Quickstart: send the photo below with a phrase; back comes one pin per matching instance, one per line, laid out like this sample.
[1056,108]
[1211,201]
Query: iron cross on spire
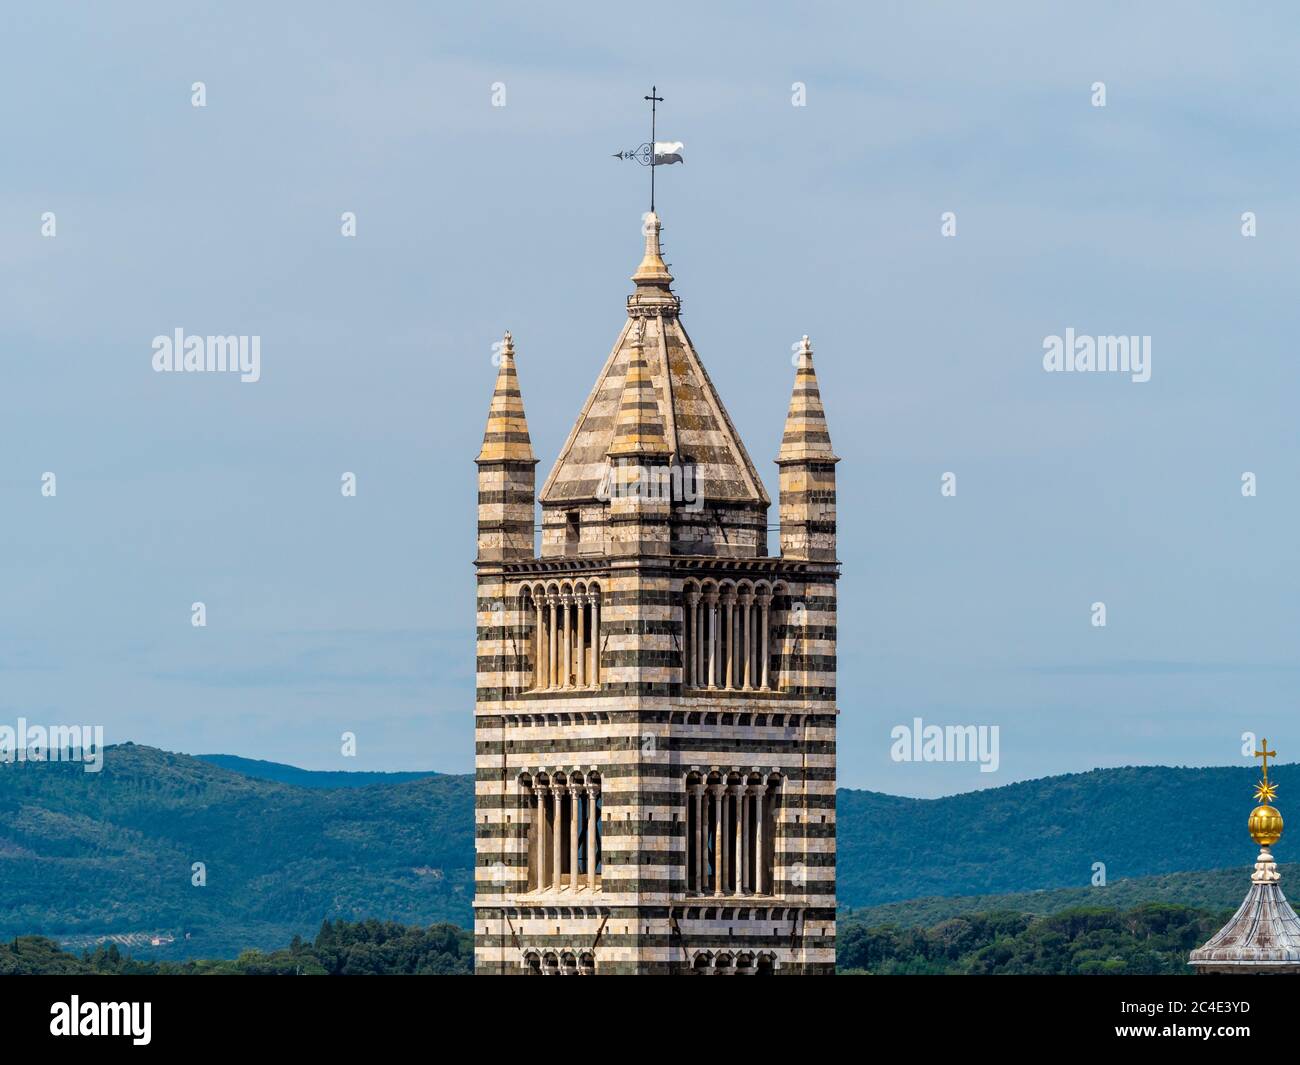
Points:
[650,154]
[654,101]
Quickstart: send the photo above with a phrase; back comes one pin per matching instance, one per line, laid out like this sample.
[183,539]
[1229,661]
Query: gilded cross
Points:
[1265,754]
[1264,791]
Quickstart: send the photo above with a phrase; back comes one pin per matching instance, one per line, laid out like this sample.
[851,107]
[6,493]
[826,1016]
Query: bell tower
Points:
[655,713]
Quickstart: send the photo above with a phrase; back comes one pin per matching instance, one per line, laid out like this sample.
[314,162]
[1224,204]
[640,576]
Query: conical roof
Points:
[696,427]
[1263,934]
[806,437]
[506,437]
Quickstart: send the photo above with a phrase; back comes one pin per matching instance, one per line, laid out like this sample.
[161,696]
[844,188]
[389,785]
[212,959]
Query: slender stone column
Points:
[730,656]
[539,646]
[745,837]
[735,650]
[698,636]
[557,808]
[764,601]
[582,643]
[746,609]
[685,643]
[595,637]
[712,600]
[719,845]
[703,877]
[760,880]
[566,645]
[553,601]
[538,882]
[696,852]
[738,839]
[575,825]
[593,821]
[690,663]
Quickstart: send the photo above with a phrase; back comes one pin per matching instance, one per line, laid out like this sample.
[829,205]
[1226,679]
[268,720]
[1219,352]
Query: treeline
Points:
[341,948]
[1153,938]
[1150,939]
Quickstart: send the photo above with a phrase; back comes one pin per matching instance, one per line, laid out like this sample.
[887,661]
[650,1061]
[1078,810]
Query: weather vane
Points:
[1264,791]
[654,153]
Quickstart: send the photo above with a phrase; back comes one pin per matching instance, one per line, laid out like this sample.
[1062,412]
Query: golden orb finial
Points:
[1265,825]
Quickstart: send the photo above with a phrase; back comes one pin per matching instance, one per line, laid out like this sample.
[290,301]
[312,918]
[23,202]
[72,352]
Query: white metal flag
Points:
[668,152]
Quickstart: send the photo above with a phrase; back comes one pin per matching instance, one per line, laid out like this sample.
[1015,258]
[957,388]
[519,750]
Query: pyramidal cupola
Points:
[727,502]
[655,711]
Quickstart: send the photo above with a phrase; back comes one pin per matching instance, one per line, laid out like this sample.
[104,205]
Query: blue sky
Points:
[328,614]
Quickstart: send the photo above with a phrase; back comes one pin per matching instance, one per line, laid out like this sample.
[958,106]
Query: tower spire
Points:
[506,436]
[807,470]
[806,435]
[506,471]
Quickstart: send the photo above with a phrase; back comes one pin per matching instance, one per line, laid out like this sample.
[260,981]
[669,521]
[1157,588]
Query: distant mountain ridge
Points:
[1136,820]
[308,778]
[92,854]
[89,854]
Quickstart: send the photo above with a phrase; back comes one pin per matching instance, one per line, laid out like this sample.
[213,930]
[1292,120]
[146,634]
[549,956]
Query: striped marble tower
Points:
[656,694]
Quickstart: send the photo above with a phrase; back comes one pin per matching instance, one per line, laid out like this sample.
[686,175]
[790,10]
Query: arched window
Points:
[564,834]
[564,642]
[730,834]
[728,636]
